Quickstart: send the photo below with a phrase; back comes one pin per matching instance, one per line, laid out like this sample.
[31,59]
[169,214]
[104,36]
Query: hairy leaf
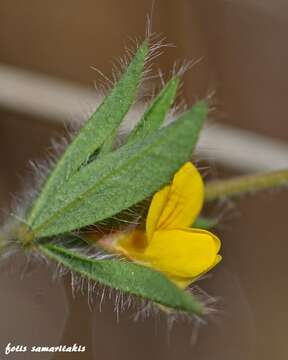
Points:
[121,179]
[156,112]
[98,128]
[127,277]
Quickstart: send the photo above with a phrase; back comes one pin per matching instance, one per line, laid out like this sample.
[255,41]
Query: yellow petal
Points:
[217,260]
[182,253]
[179,204]
[155,210]
[184,282]
[132,244]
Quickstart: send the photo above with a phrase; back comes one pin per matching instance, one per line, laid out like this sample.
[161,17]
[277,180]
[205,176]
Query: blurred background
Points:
[47,51]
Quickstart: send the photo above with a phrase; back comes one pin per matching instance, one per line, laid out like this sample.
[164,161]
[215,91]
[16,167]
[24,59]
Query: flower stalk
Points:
[245,184]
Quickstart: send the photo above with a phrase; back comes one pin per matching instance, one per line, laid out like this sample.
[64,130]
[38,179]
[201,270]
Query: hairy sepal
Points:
[125,276]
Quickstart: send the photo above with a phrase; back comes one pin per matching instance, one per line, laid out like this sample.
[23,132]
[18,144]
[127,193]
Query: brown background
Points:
[243,45]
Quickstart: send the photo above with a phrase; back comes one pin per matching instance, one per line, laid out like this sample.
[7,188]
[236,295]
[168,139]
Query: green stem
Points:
[245,184]
[3,244]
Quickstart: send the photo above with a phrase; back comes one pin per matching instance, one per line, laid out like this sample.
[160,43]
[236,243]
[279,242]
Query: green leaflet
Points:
[108,144]
[122,178]
[152,118]
[127,277]
[156,112]
[99,127]
[205,223]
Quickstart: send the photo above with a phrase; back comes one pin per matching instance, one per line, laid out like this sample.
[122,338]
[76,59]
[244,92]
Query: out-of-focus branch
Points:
[56,100]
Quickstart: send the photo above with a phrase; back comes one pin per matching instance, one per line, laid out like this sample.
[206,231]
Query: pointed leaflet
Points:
[157,111]
[99,127]
[121,179]
[127,277]
[152,118]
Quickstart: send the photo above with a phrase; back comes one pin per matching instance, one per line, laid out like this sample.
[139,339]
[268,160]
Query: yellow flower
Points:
[169,244]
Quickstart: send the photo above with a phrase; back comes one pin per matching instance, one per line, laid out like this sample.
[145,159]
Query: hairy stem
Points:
[245,184]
